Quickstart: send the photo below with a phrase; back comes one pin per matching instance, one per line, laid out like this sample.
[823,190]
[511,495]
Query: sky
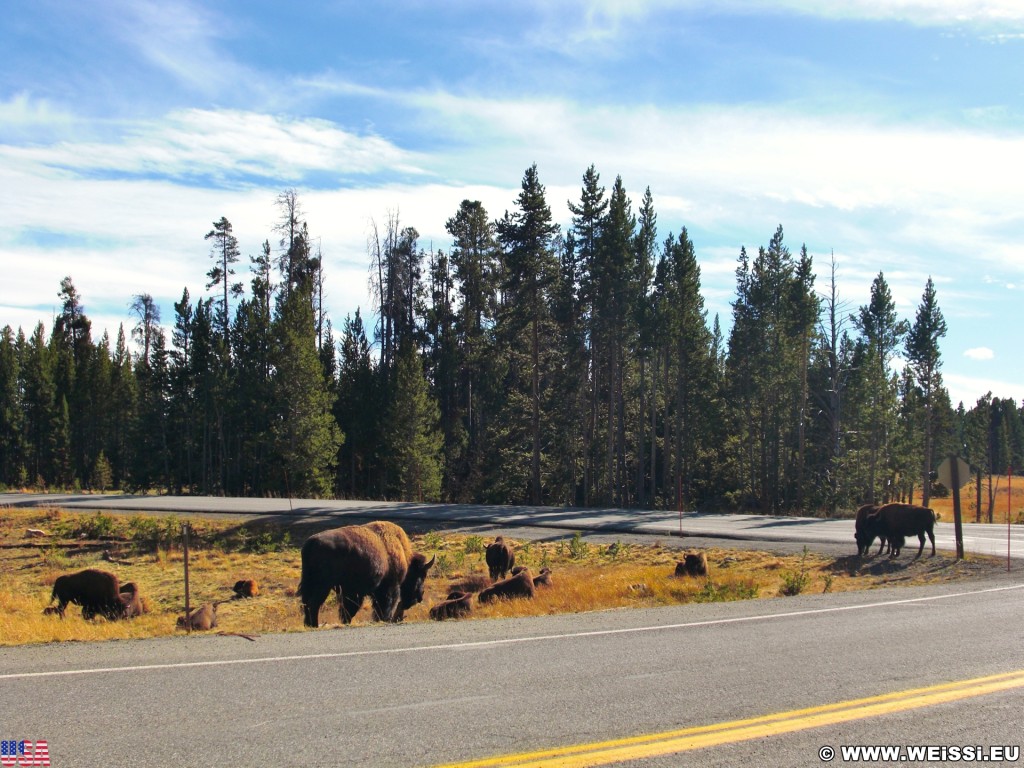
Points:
[885,135]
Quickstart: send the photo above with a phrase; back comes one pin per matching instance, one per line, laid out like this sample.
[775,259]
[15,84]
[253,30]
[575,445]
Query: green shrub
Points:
[473,545]
[793,583]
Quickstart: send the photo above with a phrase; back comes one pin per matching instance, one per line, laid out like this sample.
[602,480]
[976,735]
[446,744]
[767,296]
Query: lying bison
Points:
[457,605]
[692,564]
[860,533]
[542,579]
[131,601]
[897,521]
[202,618]
[357,561]
[245,588]
[520,585]
[500,558]
[95,590]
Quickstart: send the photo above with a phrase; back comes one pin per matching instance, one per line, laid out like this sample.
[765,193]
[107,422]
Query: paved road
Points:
[429,693]
[978,538]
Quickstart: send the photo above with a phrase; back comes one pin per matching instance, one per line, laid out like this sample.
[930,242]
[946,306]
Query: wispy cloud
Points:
[980,353]
[225,146]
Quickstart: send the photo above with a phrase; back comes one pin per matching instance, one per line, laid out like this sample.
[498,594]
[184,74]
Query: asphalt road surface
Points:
[978,538]
[432,693]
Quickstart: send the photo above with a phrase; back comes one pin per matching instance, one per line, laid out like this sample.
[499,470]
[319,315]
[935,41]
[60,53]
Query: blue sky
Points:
[886,134]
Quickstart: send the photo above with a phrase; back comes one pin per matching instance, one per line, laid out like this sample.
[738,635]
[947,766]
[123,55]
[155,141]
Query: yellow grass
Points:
[585,576]
[1011,503]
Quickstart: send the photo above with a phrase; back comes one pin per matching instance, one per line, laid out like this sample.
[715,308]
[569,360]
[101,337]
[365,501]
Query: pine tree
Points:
[11,448]
[225,254]
[530,271]
[306,436]
[924,360]
[413,441]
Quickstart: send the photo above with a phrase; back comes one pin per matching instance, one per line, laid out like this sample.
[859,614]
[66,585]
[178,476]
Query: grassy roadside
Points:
[586,576]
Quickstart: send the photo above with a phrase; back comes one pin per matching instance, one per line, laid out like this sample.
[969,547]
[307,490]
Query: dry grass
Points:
[1004,502]
[585,576]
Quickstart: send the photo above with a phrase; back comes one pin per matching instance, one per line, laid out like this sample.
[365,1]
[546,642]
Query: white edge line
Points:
[503,641]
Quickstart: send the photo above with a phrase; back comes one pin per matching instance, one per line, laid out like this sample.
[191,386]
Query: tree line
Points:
[524,364]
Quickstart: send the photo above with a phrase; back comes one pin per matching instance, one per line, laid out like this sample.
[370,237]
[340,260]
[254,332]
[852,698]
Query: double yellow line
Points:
[671,742]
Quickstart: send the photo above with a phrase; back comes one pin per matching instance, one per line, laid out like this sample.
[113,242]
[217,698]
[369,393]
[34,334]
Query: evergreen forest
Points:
[525,364]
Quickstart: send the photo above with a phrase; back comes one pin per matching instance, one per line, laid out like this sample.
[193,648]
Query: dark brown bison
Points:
[357,561]
[898,521]
[692,564]
[246,588]
[500,558]
[860,534]
[95,590]
[457,605]
[520,585]
[131,601]
[202,618]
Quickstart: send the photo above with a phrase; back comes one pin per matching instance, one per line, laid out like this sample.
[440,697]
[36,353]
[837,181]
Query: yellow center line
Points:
[671,742]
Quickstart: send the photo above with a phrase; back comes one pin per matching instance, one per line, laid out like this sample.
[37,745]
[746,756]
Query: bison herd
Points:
[376,560]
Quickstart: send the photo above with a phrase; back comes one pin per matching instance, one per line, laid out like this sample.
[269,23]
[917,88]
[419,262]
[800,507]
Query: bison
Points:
[245,588]
[95,590]
[692,564]
[202,618]
[500,558]
[131,601]
[542,579]
[520,585]
[860,533]
[458,604]
[357,561]
[897,521]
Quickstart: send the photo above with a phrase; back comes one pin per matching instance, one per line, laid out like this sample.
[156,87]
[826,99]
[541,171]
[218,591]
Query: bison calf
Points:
[500,558]
[246,588]
[131,601]
[520,585]
[202,618]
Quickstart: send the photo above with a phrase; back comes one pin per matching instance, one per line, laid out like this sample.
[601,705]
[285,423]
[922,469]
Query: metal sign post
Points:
[185,529]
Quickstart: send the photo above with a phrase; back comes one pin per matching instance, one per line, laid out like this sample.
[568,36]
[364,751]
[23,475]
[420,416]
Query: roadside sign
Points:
[946,471]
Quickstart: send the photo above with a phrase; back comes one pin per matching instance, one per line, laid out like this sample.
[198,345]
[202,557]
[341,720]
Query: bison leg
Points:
[348,606]
[312,600]
[920,537]
[931,536]
[386,602]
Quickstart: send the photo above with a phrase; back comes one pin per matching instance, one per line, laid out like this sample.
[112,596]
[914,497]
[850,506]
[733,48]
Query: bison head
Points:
[412,585]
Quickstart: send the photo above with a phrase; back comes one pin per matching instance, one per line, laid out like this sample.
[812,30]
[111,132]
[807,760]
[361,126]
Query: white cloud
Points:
[980,353]
[228,144]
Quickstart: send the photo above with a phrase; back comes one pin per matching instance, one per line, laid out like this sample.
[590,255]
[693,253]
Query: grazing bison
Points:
[860,533]
[357,561]
[520,585]
[202,618]
[692,564]
[897,521]
[500,558]
[131,602]
[95,590]
[458,604]
[245,588]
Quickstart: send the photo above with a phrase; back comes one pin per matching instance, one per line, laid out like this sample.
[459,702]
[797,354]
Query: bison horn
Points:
[430,563]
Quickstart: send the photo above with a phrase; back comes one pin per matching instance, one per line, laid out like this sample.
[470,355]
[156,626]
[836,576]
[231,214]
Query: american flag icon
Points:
[24,754]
